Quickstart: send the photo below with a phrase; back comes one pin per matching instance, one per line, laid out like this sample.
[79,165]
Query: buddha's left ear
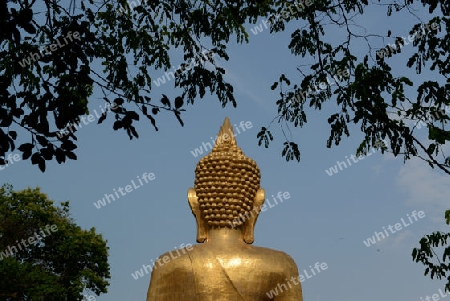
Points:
[195,207]
[249,226]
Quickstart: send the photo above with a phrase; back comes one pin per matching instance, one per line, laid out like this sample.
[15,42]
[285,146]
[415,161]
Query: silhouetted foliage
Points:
[48,54]
[426,254]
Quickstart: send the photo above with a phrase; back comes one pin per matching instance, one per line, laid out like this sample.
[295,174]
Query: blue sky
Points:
[326,219]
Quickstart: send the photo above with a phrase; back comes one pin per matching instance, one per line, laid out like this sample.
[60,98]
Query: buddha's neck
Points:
[225,236]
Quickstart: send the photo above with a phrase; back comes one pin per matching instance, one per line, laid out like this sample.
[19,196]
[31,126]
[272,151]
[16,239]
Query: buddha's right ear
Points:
[195,207]
[249,226]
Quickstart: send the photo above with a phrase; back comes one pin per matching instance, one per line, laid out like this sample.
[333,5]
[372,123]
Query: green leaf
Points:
[41,164]
[71,155]
[178,102]
[117,102]
[25,147]
[165,100]
[42,140]
[13,134]
[152,120]
[431,148]
[117,125]
[35,158]
[60,156]
[102,118]
[133,115]
[68,145]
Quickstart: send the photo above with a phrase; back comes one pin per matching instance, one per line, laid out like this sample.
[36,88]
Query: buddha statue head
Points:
[226,192]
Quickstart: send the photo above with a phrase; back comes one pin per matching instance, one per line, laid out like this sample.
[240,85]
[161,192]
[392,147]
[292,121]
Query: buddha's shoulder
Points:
[274,261]
[178,258]
[255,252]
[265,253]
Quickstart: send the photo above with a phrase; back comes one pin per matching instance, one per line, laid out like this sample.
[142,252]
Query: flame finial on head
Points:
[226,130]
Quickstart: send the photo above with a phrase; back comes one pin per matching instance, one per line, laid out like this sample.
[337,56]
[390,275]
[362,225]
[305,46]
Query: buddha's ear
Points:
[195,207]
[249,226]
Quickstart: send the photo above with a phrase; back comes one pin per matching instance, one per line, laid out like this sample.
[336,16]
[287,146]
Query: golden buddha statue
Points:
[224,266]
